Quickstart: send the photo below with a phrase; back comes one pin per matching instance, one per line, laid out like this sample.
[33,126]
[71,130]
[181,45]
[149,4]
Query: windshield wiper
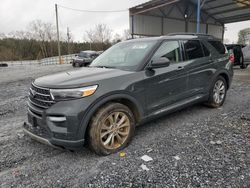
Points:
[106,67]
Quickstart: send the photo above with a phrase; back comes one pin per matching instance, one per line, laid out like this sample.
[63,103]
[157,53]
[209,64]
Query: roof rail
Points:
[192,34]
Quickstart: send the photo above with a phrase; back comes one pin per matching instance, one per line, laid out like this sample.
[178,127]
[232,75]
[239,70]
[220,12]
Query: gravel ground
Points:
[194,147]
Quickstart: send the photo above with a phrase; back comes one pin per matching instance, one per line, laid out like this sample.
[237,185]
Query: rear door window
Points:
[193,49]
[218,46]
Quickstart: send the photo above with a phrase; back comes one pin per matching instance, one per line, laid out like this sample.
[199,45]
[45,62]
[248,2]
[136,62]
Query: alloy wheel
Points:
[219,92]
[115,130]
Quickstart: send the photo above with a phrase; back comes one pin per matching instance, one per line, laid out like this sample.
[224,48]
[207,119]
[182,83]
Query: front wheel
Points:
[76,64]
[111,129]
[218,92]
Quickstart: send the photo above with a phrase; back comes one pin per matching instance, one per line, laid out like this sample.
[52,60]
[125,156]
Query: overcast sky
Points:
[17,14]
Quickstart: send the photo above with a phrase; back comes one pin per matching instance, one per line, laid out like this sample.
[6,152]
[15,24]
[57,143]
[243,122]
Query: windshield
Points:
[124,55]
[83,54]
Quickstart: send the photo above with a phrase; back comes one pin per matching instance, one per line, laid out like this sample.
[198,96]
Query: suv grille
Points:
[40,97]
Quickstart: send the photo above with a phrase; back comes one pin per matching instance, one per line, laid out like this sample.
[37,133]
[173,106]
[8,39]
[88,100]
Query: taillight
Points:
[231,58]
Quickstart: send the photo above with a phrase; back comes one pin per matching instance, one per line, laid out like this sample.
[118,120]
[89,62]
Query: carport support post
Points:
[132,33]
[198,16]
[223,32]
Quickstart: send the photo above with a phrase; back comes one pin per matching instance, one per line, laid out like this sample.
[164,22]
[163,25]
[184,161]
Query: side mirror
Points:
[159,63]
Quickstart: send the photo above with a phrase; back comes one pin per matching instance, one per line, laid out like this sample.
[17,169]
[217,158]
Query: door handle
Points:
[180,68]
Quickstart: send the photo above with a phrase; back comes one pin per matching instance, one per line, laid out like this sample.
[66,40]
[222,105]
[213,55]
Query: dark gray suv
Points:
[130,83]
[84,58]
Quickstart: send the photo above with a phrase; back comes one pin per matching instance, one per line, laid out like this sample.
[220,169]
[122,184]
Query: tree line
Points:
[244,36]
[29,49]
[39,41]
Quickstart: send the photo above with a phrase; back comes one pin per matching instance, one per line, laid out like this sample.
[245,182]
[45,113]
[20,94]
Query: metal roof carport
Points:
[160,17]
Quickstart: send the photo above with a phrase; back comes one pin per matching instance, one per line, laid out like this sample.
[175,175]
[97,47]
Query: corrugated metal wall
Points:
[145,25]
[172,26]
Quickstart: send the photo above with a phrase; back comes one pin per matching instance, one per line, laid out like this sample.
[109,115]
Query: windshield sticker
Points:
[140,46]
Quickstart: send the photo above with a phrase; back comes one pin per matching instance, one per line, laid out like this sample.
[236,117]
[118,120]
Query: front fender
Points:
[91,110]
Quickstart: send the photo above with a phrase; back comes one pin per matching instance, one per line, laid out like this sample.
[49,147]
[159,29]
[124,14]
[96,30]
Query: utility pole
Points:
[58,37]
[68,37]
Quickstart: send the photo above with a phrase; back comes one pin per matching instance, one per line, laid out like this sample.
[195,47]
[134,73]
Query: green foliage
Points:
[243,36]
[29,49]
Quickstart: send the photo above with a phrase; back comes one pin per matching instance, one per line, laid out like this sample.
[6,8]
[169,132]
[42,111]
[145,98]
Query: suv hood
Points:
[78,78]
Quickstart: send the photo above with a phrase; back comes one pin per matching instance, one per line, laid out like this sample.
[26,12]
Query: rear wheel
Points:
[111,129]
[217,93]
[242,66]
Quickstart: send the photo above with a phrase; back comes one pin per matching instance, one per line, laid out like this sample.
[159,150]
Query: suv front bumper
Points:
[32,131]
[57,126]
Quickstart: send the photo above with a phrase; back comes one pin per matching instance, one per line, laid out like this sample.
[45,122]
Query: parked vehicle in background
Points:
[246,54]
[84,58]
[3,65]
[130,83]
[239,58]
[99,52]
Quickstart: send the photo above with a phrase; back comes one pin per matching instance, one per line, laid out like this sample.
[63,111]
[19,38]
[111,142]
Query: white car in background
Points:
[246,55]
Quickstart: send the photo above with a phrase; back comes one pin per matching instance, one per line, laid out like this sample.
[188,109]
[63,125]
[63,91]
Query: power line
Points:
[93,11]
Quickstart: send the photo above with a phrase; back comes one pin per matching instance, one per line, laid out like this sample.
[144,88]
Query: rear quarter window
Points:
[205,50]
[218,46]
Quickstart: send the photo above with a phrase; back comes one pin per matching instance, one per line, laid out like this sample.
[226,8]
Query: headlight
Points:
[66,94]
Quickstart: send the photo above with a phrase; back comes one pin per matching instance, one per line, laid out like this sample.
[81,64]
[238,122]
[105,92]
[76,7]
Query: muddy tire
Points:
[218,92]
[111,129]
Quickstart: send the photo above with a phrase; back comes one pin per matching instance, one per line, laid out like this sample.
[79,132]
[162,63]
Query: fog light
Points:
[57,119]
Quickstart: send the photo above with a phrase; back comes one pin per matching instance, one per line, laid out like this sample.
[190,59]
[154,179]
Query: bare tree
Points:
[2,35]
[89,35]
[20,35]
[43,32]
[126,34]
[100,34]
[37,29]
[70,38]
[117,38]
